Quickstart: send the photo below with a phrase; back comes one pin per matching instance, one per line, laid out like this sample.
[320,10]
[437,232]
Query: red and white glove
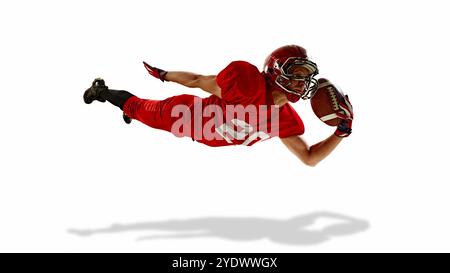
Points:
[344,128]
[155,72]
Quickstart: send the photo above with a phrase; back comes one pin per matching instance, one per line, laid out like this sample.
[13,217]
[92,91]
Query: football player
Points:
[245,106]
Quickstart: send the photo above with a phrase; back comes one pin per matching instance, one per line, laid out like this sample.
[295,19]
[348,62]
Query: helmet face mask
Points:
[291,70]
[288,78]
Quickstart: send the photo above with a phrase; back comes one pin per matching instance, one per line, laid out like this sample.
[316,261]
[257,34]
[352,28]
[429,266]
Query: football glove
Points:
[155,72]
[344,128]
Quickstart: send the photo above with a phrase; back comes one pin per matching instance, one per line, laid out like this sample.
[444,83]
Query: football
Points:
[325,102]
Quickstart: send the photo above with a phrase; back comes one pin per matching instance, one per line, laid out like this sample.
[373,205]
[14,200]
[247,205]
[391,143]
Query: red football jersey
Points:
[246,112]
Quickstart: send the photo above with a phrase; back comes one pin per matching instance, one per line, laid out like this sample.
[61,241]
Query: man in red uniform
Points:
[246,106]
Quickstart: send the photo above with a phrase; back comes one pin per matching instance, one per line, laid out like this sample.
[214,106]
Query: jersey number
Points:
[226,131]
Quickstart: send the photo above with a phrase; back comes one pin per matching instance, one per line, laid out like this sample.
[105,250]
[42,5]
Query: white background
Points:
[68,167]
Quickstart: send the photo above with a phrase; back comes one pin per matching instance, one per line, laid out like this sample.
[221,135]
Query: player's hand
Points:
[346,107]
[155,72]
[344,128]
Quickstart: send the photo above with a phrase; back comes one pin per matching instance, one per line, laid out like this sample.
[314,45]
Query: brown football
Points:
[325,102]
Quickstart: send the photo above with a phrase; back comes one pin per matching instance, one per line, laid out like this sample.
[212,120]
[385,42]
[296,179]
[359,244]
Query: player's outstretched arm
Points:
[314,154]
[188,79]
[192,80]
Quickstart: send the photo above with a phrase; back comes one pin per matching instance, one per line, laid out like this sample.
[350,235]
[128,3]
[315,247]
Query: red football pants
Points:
[157,113]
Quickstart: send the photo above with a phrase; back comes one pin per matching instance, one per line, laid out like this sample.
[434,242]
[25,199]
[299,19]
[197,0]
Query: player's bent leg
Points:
[154,113]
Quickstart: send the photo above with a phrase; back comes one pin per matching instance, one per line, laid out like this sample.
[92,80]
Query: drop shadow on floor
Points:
[297,230]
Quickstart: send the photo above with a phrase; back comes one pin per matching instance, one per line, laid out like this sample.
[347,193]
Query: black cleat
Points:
[127,119]
[93,93]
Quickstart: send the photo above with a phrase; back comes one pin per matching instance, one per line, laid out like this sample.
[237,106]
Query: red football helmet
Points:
[280,65]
